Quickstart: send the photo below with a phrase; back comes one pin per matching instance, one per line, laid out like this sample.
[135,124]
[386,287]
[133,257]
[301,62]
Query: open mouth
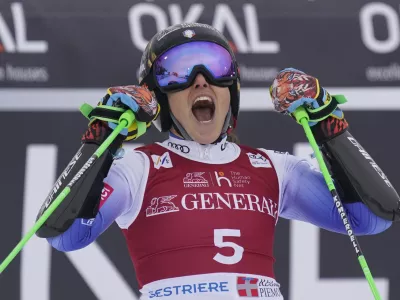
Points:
[203,109]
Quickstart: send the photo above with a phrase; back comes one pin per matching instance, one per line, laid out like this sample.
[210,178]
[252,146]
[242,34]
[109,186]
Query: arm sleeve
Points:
[306,197]
[123,181]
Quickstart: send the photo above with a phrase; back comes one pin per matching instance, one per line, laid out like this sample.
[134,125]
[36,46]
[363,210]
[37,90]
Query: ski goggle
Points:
[176,68]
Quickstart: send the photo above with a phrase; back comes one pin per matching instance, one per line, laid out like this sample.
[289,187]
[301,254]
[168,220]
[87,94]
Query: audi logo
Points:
[182,148]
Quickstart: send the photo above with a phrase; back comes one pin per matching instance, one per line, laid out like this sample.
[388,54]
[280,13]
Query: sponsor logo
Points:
[184,149]
[78,175]
[246,38]
[162,161]
[105,193]
[258,74]
[386,43]
[281,152]
[240,180]
[15,40]
[235,201]
[195,179]
[258,161]
[19,43]
[254,287]
[87,222]
[371,161]
[269,288]
[247,287]
[223,146]
[219,176]
[389,40]
[165,32]
[161,205]
[388,73]
[346,223]
[188,33]
[59,181]
[231,179]
[190,289]
[211,201]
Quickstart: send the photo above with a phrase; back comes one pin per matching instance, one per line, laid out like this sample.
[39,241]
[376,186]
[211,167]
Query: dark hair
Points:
[233,138]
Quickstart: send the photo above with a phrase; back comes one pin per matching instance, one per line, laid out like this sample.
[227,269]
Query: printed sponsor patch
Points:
[105,193]
[258,161]
[195,179]
[247,287]
[161,205]
[162,161]
[190,289]
[255,287]
[87,222]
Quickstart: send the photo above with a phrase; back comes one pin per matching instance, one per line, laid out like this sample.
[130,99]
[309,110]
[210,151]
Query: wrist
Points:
[97,132]
[329,128]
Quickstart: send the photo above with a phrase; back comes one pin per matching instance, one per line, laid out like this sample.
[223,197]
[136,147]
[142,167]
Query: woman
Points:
[199,211]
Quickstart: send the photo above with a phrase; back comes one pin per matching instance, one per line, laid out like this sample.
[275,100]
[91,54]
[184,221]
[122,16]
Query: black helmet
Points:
[174,36]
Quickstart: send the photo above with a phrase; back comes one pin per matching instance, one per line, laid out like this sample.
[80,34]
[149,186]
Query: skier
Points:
[210,236]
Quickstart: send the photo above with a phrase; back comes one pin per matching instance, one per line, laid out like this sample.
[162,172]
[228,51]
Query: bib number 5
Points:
[219,235]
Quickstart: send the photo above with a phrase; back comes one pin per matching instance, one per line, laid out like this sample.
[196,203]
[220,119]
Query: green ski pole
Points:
[126,119]
[302,118]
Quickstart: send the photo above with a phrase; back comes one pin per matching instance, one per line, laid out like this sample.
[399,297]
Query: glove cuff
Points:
[98,132]
[329,128]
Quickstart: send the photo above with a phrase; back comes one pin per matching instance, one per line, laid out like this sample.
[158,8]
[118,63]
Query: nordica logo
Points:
[213,201]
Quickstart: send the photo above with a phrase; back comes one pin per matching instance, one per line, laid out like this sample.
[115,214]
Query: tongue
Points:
[202,114]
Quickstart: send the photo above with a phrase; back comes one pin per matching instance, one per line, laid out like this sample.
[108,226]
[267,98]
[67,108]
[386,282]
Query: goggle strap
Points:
[178,127]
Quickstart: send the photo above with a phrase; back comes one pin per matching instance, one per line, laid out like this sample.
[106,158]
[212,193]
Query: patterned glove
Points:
[119,99]
[293,88]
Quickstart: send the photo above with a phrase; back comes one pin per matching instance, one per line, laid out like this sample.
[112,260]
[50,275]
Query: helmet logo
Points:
[188,33]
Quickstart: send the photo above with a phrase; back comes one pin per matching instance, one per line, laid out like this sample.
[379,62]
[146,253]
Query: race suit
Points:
[199,220]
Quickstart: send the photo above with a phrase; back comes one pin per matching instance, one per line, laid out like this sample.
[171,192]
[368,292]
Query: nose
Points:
[200,81]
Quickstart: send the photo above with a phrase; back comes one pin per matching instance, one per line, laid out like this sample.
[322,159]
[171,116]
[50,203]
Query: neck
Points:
[175,134]
[220,152]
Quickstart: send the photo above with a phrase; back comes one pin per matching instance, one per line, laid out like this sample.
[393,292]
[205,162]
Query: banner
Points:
[311,264]
[100,43]
[56,55]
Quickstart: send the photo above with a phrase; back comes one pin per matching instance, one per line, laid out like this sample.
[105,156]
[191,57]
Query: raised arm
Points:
[305,197]
[368,196]
[117,198]
[86,212]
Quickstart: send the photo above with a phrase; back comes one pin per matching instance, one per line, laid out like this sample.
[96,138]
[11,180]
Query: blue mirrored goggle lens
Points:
[175,65]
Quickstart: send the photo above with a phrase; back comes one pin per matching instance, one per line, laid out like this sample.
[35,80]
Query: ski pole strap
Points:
[321,113]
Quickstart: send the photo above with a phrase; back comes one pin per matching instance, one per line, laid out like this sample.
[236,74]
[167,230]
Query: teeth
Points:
[202,98]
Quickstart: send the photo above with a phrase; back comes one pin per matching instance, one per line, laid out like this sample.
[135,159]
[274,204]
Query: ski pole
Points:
[302,118]
[126,119]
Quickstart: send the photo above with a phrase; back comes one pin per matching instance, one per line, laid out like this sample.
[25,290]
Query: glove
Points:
[293,88]
[117,100]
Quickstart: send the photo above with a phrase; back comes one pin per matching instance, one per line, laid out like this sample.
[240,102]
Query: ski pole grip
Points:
[128,117]
[300,113]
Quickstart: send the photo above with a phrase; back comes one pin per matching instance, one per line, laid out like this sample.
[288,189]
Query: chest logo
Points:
[161,205]
[195,179]
[162,161]
[258,161]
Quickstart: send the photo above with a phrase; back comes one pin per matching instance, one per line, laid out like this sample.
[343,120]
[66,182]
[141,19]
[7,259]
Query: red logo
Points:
[105,193]
[247,287]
